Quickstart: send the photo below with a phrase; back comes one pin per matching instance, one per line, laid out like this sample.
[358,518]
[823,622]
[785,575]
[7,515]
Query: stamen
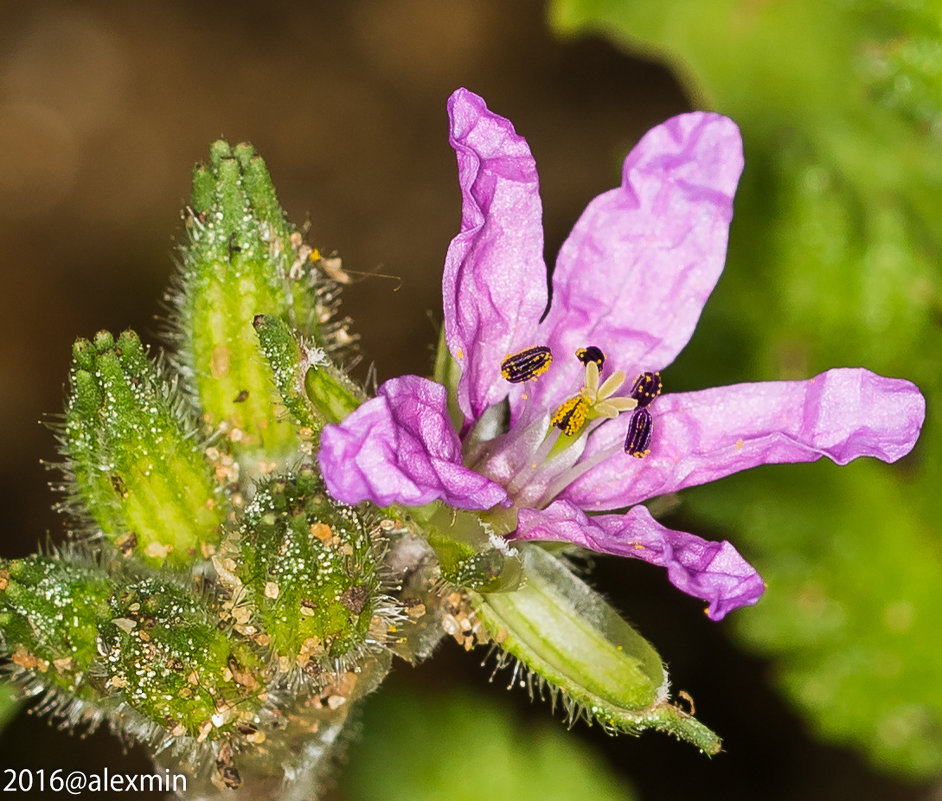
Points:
[540,455]
[638,441]
[526,365]
[591,380]
[574,473]
[611,385]
[591,354]
[646,388]
[570,417]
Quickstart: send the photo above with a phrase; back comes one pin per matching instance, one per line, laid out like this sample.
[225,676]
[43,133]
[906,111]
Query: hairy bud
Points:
[574,645]
[242,259]
[49,615]
[302,572]
[164,653]
[139,472]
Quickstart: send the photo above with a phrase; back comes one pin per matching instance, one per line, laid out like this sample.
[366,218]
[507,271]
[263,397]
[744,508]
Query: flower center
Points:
[534,463]
[593,401]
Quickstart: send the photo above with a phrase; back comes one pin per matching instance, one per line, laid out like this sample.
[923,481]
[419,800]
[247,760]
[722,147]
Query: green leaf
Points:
[8,704]
[833,260]
[464,748]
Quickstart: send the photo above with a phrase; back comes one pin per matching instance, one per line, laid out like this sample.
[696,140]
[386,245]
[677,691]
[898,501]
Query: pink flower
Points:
[561,421]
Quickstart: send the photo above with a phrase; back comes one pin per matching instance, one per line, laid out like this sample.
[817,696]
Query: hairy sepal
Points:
[575,645]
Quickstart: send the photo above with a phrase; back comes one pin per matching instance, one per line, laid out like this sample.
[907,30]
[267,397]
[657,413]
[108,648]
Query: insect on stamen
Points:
[526,364]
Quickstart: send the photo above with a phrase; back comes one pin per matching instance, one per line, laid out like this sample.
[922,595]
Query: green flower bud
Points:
[49,615]
[164,653]
[302,571]
[575,644]
[243,259]
[138,470]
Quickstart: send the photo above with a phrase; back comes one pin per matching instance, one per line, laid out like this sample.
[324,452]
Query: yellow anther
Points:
[571,416]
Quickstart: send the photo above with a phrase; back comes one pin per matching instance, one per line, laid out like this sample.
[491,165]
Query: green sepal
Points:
[572,642]
[288,361]
[332,394]
[165,654]
[242,259]
[138,470]
[50,610]
[303,574]
[469,554]
[448,373]
[313,390]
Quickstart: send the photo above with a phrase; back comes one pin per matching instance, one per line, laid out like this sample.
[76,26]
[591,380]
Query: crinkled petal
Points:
[400,447]
[703,436]
[712,571]
[635,272]
[494,286]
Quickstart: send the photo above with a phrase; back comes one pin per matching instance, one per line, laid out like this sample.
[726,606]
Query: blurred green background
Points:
[832,686]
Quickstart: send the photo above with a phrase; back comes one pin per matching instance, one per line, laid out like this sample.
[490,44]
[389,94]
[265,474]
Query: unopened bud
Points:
[302,573]
[165,654]
[243,259]
[138,469]
[49,615]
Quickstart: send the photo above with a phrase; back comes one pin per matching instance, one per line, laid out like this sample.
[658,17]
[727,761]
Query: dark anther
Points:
[638,441]
[526,365]
[591,354]
[646,388]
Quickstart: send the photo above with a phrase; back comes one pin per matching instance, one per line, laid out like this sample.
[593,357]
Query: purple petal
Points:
[635,272]
[494,287]
[713,571]
[400,447]
[703,436]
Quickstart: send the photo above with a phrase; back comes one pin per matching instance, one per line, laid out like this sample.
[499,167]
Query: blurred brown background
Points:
[104,108]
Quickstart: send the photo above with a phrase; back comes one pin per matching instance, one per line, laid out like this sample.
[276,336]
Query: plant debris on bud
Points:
[242,260]
[137,470]
[302,574]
